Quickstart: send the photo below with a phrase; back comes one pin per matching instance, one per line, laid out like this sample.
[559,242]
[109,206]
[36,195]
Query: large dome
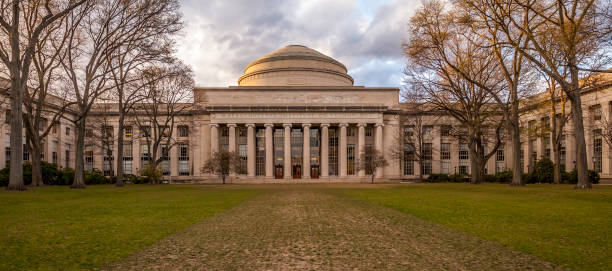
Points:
[295,65]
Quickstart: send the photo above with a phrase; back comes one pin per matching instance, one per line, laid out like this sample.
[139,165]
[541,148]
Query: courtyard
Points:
[307,227]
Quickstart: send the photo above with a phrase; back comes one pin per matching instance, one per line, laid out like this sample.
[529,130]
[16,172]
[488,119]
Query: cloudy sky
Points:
[222,36]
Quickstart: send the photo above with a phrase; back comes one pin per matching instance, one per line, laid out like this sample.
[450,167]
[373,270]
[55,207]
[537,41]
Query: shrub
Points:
[50,173]
[436,178]
[458,178]
[543,172]
[66,176]
[593,175]
[131,178]
[4,176]
[151,173]
[504,177]
[94,176]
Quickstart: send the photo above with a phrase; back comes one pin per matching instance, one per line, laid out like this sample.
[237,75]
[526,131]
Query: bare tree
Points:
[166,97]
[486,20]
[222,164]
[370,162]
[16,53]
[568,40]
[452,71]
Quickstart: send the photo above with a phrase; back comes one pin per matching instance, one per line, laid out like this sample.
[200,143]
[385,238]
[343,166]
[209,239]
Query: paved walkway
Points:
[314,229]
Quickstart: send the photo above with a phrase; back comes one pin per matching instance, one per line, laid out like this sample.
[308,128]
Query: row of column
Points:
[269,166]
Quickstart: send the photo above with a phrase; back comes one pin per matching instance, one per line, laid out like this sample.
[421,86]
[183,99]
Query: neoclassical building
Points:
[296,116]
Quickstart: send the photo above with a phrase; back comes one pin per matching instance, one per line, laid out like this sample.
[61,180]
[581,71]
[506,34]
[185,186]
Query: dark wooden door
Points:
[314,172]
[297,171]
[278,172]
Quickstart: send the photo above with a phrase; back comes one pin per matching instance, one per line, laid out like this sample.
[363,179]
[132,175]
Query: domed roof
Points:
[295,65]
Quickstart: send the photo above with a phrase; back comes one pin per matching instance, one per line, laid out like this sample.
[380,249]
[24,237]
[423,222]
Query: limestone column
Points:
[214,138]
[232,137]
[342,145]
[379,146]
[361,148]
[324,150]
[269,150]
[306,151]
[251,150]
[287,150]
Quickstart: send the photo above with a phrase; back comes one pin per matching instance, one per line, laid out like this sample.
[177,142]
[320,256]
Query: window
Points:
[562,151]
[165,130]
[67,155]
[427,130]
[409,131]
[500,159]
[445,130]
[89,158]
[350,131]
[596,112]
[54,152]
[534,153]
[532,129]
[107,167]
[463,159]
[522,155]
[243,152]
[368,131]
[165,163]
[445,155]
[54,127]
[183,130]
[297,157]
[260,152]
[26,152]
[127,158]
[42,124]
[144,155]
[279,154]
[314,152]
[67,131]
[89,133]
[224,139]
[333,152]
[224,131]
[128,131]
[546,140]
[107,132]
[408,159]
[427,154]
[183,158]
[350,157]
[597,150]
[7,116]
[145,131]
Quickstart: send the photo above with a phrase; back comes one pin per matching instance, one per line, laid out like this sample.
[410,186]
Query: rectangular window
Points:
[145,131]
[445,155]
[127,158]
[408,159]
[144,155]
[183,130]
[224,139]
[409,131]
[314,152]
[427,131]
[243,152]
[445,130]
[260,152]
[297,157]
[7,116]
[464,157]
[89,157]
[107,167]
[183,163]
[89,133]
[350,157]
[597,150]
[534,154]
[368,131]
[67,131]
[427,158]
[562,151]
[54,127]
[165,163]
[500,159]
[26,152]
[128,131]
[279,152]
[596,112]
[350,131]
[67,155]
[333,152]
[54,151]
[546,140]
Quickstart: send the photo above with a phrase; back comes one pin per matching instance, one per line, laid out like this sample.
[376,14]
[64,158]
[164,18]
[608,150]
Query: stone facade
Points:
[295,116]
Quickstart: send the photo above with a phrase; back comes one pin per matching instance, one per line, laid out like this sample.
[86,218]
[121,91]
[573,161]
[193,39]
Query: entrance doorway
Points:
[297,171]
[278,172]
[314,171]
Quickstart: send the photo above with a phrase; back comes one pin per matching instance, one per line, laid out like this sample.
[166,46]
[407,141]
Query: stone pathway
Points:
[313,229]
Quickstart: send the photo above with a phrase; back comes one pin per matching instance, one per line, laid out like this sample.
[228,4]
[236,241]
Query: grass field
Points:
[556,223]
[62,229]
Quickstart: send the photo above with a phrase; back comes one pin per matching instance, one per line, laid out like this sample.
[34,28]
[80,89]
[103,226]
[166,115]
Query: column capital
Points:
[343,124]
[361,124]
[306,125]
[269,125]
[379,124]
[324,124]
[287,125]
[214,124]
[231,125]
[250,125]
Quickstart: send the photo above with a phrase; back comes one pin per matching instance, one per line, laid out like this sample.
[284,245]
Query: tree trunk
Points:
[420,170]
[120,150]
[16,173]
[36,163]
[79,178]
[557,162]
[517,171]
[581,156]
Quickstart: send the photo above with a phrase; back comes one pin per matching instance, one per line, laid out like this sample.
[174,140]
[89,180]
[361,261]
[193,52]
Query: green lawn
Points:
[557,223]
[59,228]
